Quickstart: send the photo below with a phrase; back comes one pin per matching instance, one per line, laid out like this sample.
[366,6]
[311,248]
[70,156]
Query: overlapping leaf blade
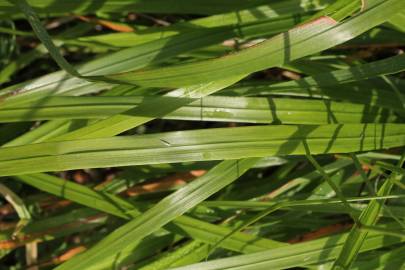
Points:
[199,145]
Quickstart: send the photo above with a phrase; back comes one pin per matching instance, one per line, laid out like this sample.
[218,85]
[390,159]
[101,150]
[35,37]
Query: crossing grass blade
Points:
[134,117]
[174,136]
[304,40]
[368,217]
[135,57]
[374,93]
[386,66]
[197,229]
[311,252]
[162,213]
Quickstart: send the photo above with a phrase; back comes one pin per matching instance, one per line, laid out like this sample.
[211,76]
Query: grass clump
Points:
[202,134]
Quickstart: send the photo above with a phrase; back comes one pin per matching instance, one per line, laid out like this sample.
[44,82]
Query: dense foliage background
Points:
[202,134]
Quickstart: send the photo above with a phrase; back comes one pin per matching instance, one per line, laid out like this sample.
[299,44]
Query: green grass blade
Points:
[142,6]
[368,217]
[198,145]
[43,35]
[313,37]
[191,252]
[243,25]
[119,123]
[131,58]
[114,205]
[373,92]
[310,252]
[210,108]
[386,66]
[166,210]
[332,184]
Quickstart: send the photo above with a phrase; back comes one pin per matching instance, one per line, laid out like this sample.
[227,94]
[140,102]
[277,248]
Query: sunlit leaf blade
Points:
[210,108]
[199,145]
[304,40]
[312,252]
[134,117]
[175,135]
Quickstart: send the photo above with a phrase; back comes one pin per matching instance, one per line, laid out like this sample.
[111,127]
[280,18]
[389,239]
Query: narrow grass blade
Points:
[131,118]
[299,42]
[114,205]
[368,217]
[166,210]
[310,252]
[45,38]
[386,66]
[198,145]
[210,108]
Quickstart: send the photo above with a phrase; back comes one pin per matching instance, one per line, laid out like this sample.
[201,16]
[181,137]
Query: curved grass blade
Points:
[153,52]
[125,60]
[42,34]
[25,218]
[266,54]
[304,40]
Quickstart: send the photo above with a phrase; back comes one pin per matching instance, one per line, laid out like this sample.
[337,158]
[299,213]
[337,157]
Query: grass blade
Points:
[310,38]
[165,211]
[368,217]
[198,145]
